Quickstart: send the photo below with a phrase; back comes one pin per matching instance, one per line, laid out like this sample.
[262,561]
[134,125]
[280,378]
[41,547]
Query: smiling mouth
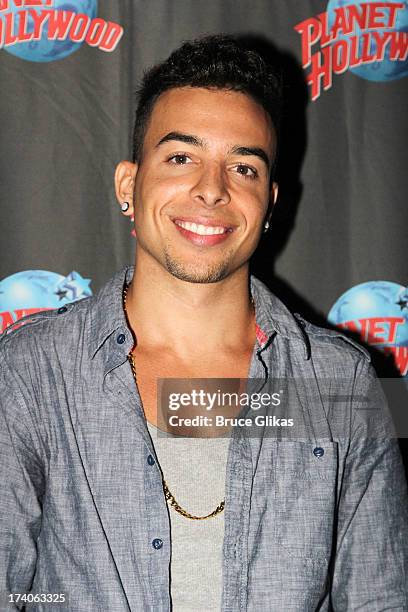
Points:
[203,230]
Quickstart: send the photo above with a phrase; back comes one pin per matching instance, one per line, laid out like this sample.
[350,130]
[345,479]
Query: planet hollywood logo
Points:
[368,38]
[49,30]
[31,291]
[378,312]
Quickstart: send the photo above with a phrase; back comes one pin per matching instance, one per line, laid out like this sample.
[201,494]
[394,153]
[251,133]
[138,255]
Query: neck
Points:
[181,317]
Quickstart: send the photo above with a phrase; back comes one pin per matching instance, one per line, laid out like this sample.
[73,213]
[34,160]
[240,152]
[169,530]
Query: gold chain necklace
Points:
[167,493]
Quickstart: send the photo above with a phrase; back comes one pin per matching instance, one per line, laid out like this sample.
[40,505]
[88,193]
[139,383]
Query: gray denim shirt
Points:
[82,506]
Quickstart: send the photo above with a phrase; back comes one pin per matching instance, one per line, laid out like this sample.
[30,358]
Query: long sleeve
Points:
[371,563]
[21,490]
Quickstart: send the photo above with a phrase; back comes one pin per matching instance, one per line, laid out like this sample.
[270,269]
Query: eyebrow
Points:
[198,142]
[186,138]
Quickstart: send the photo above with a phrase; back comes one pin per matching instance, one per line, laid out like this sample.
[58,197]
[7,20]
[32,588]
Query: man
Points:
[102,512]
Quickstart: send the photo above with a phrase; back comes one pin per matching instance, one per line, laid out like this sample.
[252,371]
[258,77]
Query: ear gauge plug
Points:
[125,206]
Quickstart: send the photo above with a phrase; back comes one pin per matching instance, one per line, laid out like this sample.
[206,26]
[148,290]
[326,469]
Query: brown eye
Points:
[180,159]
[247,171]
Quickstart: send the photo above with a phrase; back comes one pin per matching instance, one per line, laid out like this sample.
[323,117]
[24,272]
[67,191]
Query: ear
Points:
[125,175]
[274,193]
[272,201]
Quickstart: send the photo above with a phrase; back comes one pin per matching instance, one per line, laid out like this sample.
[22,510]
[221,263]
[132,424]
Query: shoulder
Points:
[331,342]
[329,346]
[45,330]
[274,315]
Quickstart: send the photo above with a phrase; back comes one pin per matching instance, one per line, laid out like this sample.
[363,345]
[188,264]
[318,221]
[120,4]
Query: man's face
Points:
[202,188]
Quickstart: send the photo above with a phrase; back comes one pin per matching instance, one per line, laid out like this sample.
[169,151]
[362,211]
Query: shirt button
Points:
[150,460]
[157,543]
[121,339]
[62,310]
[318,451]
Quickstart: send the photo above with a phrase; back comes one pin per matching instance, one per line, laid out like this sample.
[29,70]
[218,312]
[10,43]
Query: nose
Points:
[211,188]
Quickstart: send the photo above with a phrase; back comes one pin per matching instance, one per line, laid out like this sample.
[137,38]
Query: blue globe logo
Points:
[386,69]
[34,290]
[45,50]
[378,312]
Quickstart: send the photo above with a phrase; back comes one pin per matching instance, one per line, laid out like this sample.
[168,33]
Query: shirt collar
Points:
[273,317]
[107,315]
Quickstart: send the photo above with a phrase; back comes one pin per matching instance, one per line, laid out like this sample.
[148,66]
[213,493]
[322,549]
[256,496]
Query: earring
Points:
[266,227]
[125,206]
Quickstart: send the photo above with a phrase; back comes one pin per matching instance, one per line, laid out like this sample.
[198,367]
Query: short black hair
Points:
[216,61]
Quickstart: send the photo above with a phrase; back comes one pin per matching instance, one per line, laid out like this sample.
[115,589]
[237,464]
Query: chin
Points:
[197,274]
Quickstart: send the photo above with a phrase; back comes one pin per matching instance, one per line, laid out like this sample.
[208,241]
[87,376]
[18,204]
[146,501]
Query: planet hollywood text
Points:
[381,332]
[350,36]
[33,16]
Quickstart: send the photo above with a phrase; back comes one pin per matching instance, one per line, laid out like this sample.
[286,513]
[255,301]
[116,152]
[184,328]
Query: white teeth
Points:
[202,230]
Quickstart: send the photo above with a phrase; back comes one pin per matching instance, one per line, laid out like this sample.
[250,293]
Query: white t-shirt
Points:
[194,470]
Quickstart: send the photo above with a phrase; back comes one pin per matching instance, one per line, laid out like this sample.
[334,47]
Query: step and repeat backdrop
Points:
[337,251]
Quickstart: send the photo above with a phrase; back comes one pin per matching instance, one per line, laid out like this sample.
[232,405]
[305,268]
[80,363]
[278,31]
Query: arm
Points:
[21,490]
[371,564]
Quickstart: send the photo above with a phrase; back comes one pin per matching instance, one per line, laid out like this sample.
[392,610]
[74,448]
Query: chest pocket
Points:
[305,498]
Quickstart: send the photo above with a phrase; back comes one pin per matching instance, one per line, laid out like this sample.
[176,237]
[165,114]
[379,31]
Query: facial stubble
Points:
[198,271]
